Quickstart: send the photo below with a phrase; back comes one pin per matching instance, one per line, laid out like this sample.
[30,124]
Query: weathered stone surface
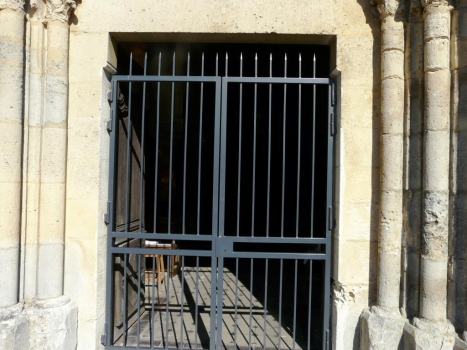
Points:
[14,332]
[53,324]
[427,335]
[381,329]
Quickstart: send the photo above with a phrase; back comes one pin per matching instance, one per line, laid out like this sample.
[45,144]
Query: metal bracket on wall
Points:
[107,214]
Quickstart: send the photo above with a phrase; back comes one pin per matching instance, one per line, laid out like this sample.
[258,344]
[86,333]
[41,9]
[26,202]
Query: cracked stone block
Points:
[53,324]
[381,329]
[14,332]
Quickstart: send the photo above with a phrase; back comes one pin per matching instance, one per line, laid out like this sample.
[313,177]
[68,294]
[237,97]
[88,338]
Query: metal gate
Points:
[230,261]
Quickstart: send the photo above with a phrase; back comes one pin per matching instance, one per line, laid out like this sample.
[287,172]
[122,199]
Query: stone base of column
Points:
[14,331]
[53,324]
[428,335]
[381,329]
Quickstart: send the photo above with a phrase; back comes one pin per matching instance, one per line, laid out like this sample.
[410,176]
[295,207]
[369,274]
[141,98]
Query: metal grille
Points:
[220,209]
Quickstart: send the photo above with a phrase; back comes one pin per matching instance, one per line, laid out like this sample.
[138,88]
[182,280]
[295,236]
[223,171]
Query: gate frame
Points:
[221,246]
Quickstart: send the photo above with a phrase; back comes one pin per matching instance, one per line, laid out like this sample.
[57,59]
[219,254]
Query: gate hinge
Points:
[333,95]
[109,96]
[327,339]
[104,336]
[110,122]
[107,214]
[333,124]
[331,218]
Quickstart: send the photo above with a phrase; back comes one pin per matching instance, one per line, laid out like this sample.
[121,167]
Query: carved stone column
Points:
[382,327]
[52,310]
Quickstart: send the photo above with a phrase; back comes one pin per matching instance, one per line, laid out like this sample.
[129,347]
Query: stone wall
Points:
[55,65]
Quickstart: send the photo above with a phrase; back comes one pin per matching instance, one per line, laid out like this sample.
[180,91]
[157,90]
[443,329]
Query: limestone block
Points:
[424,335]
[433,289]
[393,64]
[358,151]
[359,187]
[52,213]
[14,331]
[392,34]
[53,324]
[437,163]
[392,106]
[437,55]
[10,144]
[391,167]
[381,329]
[50,270]
[438,95]
[438,23]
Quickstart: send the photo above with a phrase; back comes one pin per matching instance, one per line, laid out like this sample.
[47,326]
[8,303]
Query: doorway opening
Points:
[219,230]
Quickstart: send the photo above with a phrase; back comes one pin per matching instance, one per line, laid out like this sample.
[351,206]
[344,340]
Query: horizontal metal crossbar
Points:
[277,240]
[155,251]
[274,80]
[166,78]
[164,236]
[280,256]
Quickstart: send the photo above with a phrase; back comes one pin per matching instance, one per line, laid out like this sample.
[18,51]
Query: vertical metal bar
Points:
[265,303]
[157,143]
[139,301]
[239,147]
[110,277]
[251,303]
[313,151]
[152,328]
[327,274]
[220,302]
[269,150]
[182,302]
[128,156]
[236,303]
[254,154]
[127,207]
[280,304]
[171,145]
[299,144]
[167,294]
[310,286]
[186,144]
[295,306]
[196,302]
[142,155]
[226,64]
[200,144]
[125,298]
[283,147]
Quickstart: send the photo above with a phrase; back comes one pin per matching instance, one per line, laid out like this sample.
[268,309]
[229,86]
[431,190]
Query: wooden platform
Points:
[265,331]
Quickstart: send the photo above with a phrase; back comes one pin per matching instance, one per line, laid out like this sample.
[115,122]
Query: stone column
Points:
[54,146]
[53,318]
[376,332]
[11,119]
[432,330]
[436,161]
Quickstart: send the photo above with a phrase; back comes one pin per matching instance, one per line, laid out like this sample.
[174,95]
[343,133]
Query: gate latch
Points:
[104,336]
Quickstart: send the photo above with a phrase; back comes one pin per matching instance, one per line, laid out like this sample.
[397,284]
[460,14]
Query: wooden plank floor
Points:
[237,321]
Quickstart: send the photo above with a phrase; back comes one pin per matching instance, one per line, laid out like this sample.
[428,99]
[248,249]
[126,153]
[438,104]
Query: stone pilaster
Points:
[382,327]
[54,150]
[11,119]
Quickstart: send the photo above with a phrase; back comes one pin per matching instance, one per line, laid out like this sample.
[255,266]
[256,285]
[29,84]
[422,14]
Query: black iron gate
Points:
[215,239]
